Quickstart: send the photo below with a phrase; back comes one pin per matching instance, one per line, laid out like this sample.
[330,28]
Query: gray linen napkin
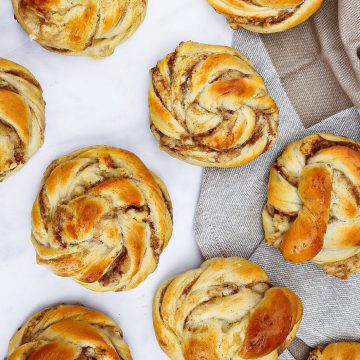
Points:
[228,216]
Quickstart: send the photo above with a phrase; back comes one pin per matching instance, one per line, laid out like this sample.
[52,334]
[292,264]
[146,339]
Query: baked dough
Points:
[337,351]
[226,309]
[209,106]
[80,27]
[266,16]
[101,218]
[69,332]
[313,208]
[22,117]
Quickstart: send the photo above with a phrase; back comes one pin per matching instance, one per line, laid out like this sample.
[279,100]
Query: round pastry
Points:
[22,117]
[266,16]
[80,27]
[69,332]
[313,207]
[101,218]
[209,106]
[226,309]
[337,351]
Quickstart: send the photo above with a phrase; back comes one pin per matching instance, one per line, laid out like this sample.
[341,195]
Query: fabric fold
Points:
[318,62]
[349,19]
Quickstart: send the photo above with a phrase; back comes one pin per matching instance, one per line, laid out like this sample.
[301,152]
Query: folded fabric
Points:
[318,61]
[323,84]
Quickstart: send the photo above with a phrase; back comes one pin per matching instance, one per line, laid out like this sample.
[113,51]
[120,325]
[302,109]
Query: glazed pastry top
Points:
[69,332]
[102,218]
[313,208]
[71,27]
[22,117]
[209,106]
[226,309]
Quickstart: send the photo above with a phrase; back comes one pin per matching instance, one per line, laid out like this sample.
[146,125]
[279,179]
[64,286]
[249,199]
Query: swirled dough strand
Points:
[266,16]
[313,208]
[101,218]
[226,309]
[80,27]
[209,106]
[69,332]
[22,117]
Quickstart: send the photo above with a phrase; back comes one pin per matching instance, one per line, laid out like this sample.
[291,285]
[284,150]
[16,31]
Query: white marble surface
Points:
[99,102]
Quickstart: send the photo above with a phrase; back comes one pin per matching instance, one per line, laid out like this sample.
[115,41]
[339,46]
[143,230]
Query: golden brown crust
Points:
[209,106]
[22,117]
[225,309]
[313,208]
[337,351]
[80,27]
[266,16]
[101,218]
[69,332]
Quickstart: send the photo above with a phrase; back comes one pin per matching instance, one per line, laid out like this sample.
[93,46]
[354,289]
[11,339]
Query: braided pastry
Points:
[101,218]
[69,332]
[80,27]
[313,208]
[22,117]
[337,351]
[226,309]
[209,106]
[266,16]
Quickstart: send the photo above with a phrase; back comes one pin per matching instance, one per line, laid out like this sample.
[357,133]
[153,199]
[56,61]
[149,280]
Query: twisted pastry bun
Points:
[266,16]
[80,27]
[69,332]
[313,207]
[226,309]
[209,106]
[337,351]
[22,117]
[101,218]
